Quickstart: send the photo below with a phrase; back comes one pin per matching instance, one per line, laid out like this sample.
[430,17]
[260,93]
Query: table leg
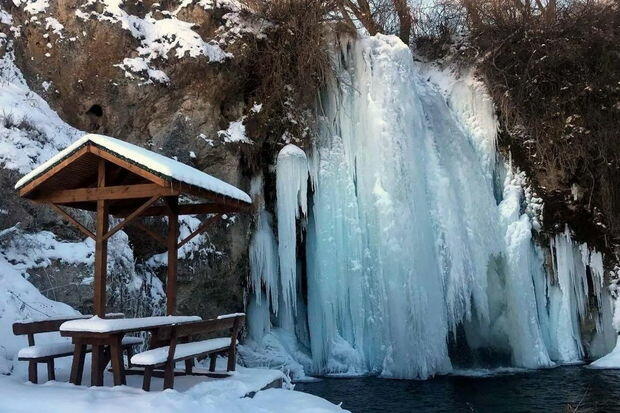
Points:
[116,354]
[96,370]
[77,367]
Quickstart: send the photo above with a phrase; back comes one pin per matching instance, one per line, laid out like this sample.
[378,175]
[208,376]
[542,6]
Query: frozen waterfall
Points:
[417,247]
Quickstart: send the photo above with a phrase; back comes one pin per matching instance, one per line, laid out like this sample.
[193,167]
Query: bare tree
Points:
[379,16]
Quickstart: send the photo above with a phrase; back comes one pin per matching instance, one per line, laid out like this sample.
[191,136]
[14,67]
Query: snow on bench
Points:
[44,350]
[61,347]
[160,355]
[232,315]
[101,325]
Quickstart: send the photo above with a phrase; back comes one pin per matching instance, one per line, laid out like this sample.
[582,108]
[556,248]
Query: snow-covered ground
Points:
[610,361]
[191,393]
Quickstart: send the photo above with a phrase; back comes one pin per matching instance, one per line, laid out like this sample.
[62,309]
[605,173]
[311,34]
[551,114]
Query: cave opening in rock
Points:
[95,110]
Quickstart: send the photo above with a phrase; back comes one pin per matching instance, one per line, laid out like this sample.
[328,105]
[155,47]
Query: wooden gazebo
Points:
[112,177]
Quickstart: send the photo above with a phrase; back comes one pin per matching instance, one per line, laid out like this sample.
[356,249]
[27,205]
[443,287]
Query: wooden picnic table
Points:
[105,337]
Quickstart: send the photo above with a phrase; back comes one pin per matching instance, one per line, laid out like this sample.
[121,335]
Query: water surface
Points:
[561,389]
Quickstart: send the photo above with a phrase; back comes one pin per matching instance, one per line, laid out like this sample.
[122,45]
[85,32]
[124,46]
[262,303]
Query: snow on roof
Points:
[151,161]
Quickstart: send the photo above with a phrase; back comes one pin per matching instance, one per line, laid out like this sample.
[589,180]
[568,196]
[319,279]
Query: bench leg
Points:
[169,375]
[116,355]
[188,366]
[51,375]
[232,358]
[77,367]
[148,373]
[212,361]
[32,371]
[129,351]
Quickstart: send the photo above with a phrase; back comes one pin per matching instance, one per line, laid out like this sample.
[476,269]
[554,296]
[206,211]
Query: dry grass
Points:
[286,72]
[555,76]
[553,69]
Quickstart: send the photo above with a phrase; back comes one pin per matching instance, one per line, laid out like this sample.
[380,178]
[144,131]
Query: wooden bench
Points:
[46,353]
[181,348]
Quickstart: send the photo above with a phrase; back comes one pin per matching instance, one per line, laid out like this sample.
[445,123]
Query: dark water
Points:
[562,389]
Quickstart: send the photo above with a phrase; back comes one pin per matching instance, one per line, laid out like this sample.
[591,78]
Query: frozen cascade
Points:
[418,236]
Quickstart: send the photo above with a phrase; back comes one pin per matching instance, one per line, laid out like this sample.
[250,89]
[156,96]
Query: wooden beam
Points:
[131,217]
[150,232]
[67,196]
[173,233]
[29,187]
[189,209]
[199,230]
[101,246]
[138,170]
[214,197]
[72,220]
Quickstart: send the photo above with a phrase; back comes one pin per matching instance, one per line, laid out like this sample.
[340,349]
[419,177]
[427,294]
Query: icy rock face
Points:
[418,239]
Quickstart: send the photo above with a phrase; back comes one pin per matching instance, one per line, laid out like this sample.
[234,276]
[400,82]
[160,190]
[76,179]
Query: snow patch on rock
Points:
[159,38]
[30,131]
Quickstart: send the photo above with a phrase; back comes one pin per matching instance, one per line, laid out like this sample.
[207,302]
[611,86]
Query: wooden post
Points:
[173,234]
[101,246]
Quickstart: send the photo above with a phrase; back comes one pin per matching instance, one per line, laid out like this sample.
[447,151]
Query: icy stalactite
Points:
[568,297]
[292,187]
[566,300]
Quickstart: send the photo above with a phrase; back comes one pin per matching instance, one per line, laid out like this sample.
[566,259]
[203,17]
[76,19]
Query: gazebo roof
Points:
[75,168]
[113,177]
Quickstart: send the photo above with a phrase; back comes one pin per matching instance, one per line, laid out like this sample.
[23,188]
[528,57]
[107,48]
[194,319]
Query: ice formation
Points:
[418,238]
[292,188]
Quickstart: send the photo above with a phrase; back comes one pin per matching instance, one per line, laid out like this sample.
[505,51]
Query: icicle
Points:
[264,261]
[523,326]
[564,308]
[291,187]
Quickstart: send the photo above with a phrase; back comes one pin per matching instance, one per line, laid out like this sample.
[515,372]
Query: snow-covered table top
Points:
[100,325]
[149,160]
